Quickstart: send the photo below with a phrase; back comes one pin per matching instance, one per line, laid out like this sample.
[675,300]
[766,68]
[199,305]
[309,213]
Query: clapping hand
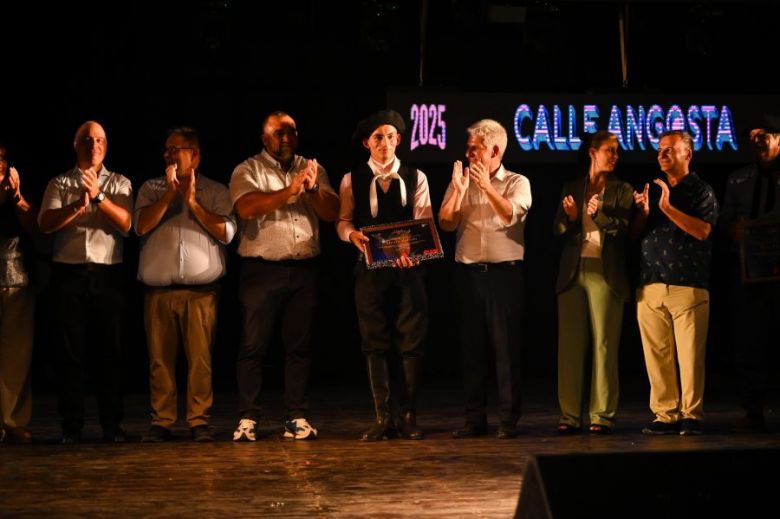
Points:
[663,202]
[170,176]
[593,205]
[460,178]
[89,180]
[642,200]
[480,175]
[570,208]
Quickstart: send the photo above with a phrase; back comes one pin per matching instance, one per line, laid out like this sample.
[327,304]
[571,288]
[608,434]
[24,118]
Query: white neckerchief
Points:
[379,176]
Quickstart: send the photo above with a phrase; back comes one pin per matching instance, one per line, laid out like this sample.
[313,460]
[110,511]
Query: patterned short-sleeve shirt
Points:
[671,255]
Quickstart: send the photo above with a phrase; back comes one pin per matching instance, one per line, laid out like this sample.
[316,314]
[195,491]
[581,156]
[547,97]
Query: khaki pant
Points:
[673,324]
[172,317]
[17,306]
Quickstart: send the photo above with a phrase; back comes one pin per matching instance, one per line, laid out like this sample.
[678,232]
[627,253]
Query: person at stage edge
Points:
[488,205]
[18,229]
[673,301]
[185,220]
[385,190]
[89,210]
[592,220]
[280,198]
[753,197]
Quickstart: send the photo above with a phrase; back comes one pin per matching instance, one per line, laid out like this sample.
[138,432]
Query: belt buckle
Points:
[482,267]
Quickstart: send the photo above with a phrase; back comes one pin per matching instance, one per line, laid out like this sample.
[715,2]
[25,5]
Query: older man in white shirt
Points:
[488,205]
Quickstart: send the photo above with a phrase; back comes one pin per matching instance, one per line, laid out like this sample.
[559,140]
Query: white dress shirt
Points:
[180,251]
[482,236]
[90,238]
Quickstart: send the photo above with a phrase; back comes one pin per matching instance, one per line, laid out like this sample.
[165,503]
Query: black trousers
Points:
[490,302]
[271,292]
[90,305]
[756,328]
[392,310]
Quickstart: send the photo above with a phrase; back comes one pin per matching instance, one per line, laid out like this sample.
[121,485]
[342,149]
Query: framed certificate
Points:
[759,251]
[417,239]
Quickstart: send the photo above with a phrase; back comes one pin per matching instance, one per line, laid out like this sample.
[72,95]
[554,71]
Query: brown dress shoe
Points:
[17,435]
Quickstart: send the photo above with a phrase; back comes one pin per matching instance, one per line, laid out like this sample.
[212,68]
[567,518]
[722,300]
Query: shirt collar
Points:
[500,173]
[77,171]
[267,156]
[377,168]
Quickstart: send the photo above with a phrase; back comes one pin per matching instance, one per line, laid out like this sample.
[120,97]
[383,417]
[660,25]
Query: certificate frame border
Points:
[371,264]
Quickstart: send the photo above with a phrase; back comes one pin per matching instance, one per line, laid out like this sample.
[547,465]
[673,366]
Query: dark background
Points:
[140,68]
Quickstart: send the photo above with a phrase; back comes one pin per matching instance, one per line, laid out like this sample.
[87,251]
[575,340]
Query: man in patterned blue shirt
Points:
[673,300]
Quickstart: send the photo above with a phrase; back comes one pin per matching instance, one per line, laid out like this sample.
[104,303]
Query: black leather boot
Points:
[379,378]
[407,424]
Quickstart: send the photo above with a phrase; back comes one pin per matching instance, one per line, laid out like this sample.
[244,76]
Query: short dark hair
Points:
[189,134]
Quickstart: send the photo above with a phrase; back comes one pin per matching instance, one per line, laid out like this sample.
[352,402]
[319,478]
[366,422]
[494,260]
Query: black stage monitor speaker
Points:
[688,484]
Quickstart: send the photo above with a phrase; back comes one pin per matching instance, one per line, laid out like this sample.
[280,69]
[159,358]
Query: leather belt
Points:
[484,267]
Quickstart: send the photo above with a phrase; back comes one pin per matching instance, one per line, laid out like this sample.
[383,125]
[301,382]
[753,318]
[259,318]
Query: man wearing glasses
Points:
[89,211]
[280,198]
[185,220]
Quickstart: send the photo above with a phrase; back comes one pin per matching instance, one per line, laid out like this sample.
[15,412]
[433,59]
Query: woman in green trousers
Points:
[592,219]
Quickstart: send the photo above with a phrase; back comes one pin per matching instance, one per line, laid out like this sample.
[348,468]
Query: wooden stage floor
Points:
[334,476]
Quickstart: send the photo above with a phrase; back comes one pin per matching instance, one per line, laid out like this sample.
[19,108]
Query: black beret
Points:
[367,126]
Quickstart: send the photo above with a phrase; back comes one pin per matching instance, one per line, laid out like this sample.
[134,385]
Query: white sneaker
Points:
[299,429]
[245,432]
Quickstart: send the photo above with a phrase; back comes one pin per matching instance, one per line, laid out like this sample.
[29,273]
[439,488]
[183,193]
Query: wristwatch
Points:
[99,198]
[314,189]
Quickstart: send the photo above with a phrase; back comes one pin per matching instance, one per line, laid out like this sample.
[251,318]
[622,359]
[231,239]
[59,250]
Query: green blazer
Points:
[613,220]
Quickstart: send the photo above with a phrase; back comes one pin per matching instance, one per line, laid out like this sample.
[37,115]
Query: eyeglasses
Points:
[173,149]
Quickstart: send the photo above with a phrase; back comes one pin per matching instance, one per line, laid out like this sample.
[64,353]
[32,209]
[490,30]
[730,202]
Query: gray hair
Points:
[491,132]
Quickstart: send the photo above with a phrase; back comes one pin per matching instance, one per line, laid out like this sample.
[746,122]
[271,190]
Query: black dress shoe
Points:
[407,426]
[157,434]
[18,435]
[70,438]
[471,431]
[381,430]
[507,431]
[115,435]
[201,434]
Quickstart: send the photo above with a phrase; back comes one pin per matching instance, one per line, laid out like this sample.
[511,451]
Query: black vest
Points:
[390,209]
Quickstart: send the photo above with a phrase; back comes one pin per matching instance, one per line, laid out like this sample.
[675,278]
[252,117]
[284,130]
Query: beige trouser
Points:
[173,317]
[17,306]
[673,324]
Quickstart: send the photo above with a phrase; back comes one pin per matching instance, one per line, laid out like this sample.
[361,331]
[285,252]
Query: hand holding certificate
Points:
[415,240]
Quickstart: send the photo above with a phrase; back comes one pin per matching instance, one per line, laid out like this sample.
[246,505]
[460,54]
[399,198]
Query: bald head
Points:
[91,145]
